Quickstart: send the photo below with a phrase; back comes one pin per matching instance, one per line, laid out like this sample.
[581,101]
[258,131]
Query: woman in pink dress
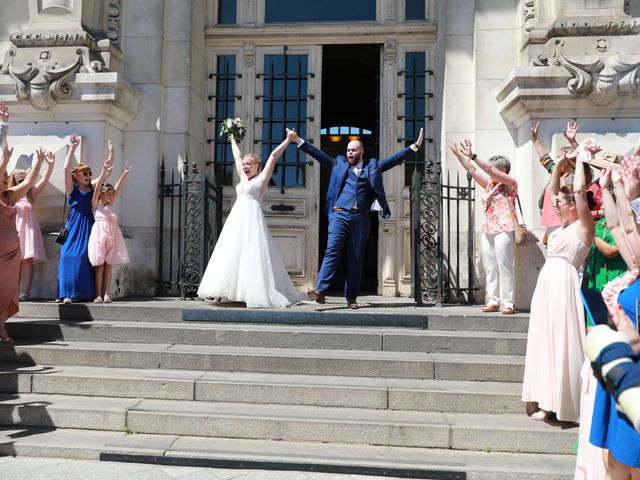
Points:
[498,241]
[9,241]
[556,326]
[31,243]
[106,243]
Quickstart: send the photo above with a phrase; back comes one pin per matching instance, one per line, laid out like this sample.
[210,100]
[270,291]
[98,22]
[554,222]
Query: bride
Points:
[245,265]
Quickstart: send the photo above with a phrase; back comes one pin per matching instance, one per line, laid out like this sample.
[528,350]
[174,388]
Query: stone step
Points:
[300,456]
[401,315]
[458,431]
[266,388]
[282,336]
[440,366]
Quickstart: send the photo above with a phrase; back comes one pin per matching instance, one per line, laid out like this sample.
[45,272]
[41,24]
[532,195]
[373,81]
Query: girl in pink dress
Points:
[9,241]
[106,243]
[556,326]
[31,243]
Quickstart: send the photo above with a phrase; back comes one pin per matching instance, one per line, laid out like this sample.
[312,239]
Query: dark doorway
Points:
[350,110]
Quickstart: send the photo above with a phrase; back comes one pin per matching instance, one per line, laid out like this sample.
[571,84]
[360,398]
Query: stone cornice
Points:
[583,26]
[304,34]
[50,38]
[94,97]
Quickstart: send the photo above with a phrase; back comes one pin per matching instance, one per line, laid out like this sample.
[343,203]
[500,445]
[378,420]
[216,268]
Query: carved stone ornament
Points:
[601,79]
[529,15]
[43,63]
[113,22]
[390,52]
[595,26]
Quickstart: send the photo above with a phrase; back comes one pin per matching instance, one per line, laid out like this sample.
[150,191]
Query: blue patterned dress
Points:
[75,273]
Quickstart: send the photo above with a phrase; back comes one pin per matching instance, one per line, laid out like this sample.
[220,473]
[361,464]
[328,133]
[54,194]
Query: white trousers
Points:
[497,257]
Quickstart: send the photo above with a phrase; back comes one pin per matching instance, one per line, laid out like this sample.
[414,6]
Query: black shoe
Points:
[316,295]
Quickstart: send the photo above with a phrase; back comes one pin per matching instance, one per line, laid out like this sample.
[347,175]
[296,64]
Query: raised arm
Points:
[478,175]
[21,189]
[74,141]
[554,183]
[6,156]
[50,158]
[497,175]
[127,169]
[397,158]
[267,171]
[108,162]
[317,154]
[4,122]
[104,173]
[537,144]
[627,218]
[237,156]
[612,215]
[586,229]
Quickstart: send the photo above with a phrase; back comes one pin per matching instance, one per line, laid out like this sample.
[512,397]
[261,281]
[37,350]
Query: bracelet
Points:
[473,156]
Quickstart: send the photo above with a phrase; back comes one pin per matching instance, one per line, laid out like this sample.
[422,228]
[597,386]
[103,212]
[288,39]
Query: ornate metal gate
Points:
[190,223]
[443,252]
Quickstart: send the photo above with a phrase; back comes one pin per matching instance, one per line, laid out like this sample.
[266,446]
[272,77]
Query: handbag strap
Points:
[64,210]
[519,208]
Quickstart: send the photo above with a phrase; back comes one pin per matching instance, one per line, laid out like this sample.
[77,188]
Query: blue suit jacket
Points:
[372,168]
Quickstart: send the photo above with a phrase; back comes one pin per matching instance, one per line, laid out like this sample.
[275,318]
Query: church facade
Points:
[157,78]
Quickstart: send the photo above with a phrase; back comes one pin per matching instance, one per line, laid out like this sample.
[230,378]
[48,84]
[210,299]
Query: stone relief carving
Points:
[600,78]
[113,22]
[43,63]
[53,6]
[390,52]
[529,11]
[249,54]
[595,26]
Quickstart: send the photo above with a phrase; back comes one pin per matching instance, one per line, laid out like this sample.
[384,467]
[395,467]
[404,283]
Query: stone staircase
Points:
[406,392]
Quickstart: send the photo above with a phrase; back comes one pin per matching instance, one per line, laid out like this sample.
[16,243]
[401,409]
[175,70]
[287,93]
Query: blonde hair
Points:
[13,181]
[255,158]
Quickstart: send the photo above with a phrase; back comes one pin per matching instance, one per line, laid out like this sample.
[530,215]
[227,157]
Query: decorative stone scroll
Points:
[42,64]
[113,22]
[600,78]
[529,15]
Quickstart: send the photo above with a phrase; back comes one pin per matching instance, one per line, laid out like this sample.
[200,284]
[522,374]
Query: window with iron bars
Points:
[284,105]
[224,107]
[415,115]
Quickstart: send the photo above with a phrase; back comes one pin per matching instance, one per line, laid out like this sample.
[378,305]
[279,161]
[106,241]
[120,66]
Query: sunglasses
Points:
[85,174]
[558,204]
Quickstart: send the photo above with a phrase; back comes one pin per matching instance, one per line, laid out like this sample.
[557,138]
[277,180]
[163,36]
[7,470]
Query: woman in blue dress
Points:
[75,273]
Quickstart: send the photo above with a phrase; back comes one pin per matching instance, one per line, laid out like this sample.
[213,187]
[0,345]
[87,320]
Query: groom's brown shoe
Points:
[316,295]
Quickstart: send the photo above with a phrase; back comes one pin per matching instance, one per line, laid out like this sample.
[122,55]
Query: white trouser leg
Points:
[504,244]
[491,269]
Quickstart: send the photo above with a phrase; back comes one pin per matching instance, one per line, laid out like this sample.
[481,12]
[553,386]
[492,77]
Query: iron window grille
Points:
[224,107]
[416,99]
[285,98]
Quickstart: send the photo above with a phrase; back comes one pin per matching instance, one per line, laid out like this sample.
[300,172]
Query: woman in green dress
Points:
[605,262]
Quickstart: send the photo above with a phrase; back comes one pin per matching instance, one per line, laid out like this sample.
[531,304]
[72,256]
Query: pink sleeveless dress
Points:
[9,260]
[106,243]
[557,329]
[31,243]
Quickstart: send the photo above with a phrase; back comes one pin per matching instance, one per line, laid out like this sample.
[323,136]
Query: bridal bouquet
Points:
[233,127]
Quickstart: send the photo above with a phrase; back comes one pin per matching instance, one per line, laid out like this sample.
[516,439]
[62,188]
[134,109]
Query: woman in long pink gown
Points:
[556,326]
[9,241]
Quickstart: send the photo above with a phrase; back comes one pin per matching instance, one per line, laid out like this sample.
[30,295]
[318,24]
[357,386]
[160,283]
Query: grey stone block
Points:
[457,342]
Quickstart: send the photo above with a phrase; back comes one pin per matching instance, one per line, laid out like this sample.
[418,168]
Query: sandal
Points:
[509,311]
[490,308]
[540,415]
[98,299]
[107,299]
[67,301]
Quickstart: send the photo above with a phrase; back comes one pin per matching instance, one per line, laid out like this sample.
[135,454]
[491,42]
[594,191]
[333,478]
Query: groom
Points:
[354,186]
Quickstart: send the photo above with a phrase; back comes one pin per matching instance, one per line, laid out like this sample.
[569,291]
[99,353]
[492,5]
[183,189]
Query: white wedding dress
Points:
[245,265]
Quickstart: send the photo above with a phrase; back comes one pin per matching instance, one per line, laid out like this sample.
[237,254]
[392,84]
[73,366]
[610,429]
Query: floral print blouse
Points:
[499,203]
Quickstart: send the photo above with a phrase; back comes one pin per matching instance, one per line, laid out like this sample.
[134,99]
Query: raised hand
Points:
[466,148]
[6,152]
[571,130]
[50,158]
[127,167]
[420,139]
[605,179]
[4,112]
[292,135]
[534,132]
[454,148]
[630,176]
[74,141]
[40,155]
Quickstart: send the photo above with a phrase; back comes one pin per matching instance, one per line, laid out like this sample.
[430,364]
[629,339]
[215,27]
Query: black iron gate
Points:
[189,225]
[442,237]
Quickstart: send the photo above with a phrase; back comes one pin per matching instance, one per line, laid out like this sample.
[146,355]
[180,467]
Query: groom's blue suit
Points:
[349,200]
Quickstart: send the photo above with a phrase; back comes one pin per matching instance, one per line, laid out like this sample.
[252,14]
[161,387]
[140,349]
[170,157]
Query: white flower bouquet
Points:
[233,127]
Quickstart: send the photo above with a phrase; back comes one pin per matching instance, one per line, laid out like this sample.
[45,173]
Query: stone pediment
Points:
[568,83]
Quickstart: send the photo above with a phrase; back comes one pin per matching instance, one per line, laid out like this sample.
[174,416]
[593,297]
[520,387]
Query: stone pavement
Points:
[29,468]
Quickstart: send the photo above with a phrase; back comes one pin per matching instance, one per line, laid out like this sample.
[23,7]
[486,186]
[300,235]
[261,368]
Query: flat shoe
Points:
[107,299]
[7,340]
[540,415]
[490,308]
[317,296]
[509,311]
[67,301]
[97,300]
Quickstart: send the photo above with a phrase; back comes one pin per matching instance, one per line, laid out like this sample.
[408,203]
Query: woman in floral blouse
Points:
[500,193]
